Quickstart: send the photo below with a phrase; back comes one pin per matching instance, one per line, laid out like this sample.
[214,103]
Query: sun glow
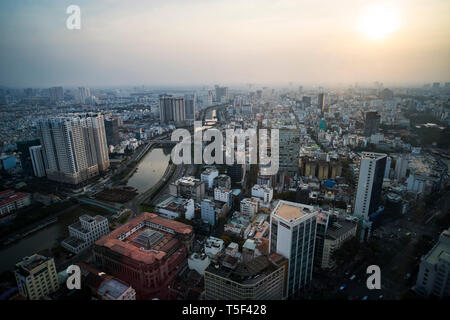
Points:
[377,21]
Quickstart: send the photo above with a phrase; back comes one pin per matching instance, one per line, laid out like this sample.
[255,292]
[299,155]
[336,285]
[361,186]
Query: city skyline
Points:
[179,43]
[208,151]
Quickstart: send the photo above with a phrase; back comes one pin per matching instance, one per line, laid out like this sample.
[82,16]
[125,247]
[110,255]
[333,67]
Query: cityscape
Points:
[95,206]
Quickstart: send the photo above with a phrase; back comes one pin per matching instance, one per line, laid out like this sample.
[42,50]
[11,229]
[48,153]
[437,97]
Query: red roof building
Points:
[146,252]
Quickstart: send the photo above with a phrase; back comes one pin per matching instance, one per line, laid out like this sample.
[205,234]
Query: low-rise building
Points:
[213,246]
[36,277]
[238,223]
[249,206]
[189,188]
[11,201]
[104,286]
[85,232]
[224,195]
[222,181]
[208,176]
[212,210]
[199,262]
[263,192]
[175,207]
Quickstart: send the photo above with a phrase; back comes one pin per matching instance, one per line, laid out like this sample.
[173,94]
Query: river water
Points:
[43,239]
[149,172]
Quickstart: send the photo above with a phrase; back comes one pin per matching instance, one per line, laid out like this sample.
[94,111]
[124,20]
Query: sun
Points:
[377,21]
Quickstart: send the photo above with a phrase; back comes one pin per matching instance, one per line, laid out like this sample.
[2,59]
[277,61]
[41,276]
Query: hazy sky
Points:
[177,42]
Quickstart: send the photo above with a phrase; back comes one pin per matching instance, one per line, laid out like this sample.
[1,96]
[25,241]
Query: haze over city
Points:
[231,42]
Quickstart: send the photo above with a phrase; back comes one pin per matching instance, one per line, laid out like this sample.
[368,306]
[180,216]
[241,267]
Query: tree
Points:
[347,251]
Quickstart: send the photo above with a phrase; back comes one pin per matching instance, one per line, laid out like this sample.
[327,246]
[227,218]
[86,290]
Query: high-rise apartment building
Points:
[372,123]
[36,277]
[75,148]
[321,102]
[82,94]
[306,101]
[56,94]
[221,93]
[37,161]
[23,147]
[289,150]
[171,109]
[112,131]
[190,101]
[292,235]
[387,170]
[401,167]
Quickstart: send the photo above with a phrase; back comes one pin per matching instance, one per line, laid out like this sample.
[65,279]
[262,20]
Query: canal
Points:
[149,171]
[38,241]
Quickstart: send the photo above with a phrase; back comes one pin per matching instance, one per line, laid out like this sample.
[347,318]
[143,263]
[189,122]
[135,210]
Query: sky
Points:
[203,42]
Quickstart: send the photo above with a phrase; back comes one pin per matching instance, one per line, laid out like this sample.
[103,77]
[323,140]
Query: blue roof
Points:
[329,183]
[236,192]
[113,287]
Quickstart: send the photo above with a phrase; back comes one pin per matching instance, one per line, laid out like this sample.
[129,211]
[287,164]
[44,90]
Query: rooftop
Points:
[372,155]
[31,262]
[441,250]
[172,203]
[126,239]
[245,273]
[113,287]
[292,211]
[192,181]
[9,196]
[250,244]
[209,171]
[340,227]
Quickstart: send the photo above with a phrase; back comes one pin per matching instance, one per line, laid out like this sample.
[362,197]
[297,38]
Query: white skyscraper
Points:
[38,161]
[370,182]
[75,148]
[292,234]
